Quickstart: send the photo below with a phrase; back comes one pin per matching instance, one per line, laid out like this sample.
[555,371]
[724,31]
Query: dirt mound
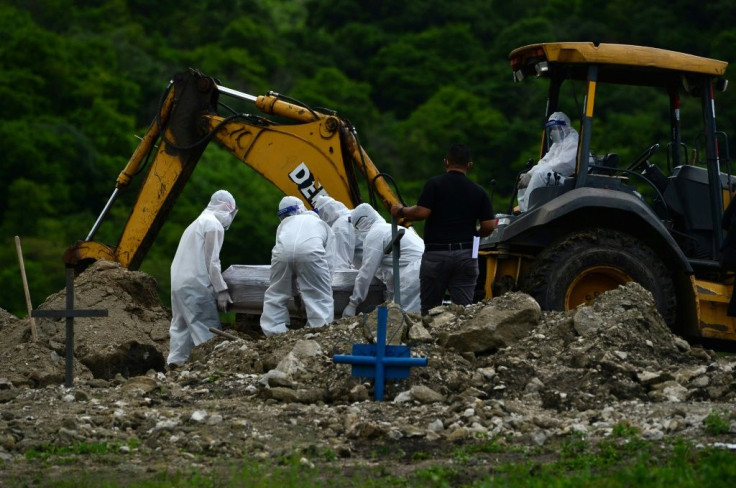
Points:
[6,316]
[500,369]
[617,349]
[131,340]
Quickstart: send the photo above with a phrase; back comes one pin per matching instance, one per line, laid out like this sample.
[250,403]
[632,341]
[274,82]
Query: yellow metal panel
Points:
[624,54]
[165,173]
[291,157]
[590,99]
[713,301]
[82,251]
[503,270]
[491,269]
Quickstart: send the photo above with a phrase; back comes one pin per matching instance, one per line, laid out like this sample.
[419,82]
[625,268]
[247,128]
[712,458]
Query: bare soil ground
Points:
[500,371]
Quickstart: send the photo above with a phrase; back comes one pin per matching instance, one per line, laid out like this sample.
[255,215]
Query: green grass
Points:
[717,423]
[623,459]
[81,448]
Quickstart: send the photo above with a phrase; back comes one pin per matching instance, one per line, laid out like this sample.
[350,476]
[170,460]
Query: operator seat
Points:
[600,166]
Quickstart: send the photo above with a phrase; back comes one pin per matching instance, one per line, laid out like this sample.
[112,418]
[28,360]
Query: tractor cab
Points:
[688,188]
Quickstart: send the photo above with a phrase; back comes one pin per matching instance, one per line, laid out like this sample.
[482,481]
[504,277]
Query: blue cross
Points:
[380,361]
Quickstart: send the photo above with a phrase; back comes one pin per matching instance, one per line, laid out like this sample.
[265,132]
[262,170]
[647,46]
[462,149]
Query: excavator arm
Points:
[316,154]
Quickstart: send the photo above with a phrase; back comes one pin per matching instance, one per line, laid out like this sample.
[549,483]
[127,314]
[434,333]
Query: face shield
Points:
[555,130]
[289,206]
[362,226]
[288,211]
[233,213]
[363,217]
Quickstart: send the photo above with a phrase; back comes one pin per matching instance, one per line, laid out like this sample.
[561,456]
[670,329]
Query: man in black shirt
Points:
[453,205]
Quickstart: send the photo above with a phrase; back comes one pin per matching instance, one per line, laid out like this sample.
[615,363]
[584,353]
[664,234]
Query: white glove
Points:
[524,179]
[349,310]
[223,300]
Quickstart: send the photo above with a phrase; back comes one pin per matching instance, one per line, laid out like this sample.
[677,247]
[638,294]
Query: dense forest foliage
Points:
[80,80]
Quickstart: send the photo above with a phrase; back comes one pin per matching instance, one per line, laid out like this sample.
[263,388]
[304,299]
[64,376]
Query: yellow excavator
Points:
[582,234]
[319,153]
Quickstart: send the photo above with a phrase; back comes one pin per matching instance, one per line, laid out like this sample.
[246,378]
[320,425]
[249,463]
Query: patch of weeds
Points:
[80,448]
[461,455]
[516,474]
[46,451]
[214,376]
[625,429]
[329,455]
[576,453]
[609,452]
[388,452]
[626,438]
[492,445]
[435,477]
[574,445]
[420,456]
[717,423]
[288,473]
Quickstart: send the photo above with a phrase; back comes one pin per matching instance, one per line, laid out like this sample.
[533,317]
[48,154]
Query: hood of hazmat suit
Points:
[558,126]
[348,249]
[364,217]
[330,209]
[289,206]
[222,204]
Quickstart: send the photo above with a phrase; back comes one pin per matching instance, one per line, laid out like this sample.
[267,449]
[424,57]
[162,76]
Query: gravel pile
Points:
[500,369]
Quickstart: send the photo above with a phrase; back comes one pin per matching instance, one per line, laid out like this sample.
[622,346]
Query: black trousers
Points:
[456,271]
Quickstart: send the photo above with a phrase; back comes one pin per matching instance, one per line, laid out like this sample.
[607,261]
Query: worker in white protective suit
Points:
[348,248]
[300,264]
[197,287]
[560,159]
[375,233]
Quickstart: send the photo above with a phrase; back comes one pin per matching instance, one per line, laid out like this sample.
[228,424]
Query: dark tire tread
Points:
[554,269]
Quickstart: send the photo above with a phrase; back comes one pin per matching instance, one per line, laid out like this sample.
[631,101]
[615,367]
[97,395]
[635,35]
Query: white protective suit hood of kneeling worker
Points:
[302,255]
[348,248]
[196,278]
[376,235]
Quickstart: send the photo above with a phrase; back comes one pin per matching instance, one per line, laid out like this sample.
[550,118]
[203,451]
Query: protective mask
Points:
[226,221]
[556,134]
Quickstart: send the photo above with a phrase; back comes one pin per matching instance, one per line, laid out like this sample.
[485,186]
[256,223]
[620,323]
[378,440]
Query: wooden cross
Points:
[69,313]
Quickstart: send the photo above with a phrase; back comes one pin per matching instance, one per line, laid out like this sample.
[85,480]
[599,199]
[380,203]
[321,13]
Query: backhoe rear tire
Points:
[585,264]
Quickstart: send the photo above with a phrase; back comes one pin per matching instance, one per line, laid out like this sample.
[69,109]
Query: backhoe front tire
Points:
[585,264]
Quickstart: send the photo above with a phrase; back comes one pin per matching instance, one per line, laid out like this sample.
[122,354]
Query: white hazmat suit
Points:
[304,245]
[375,233]
[348,248]
[197,286]
[561,159]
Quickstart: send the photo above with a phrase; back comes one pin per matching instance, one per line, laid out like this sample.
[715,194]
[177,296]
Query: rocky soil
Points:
[500,369]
